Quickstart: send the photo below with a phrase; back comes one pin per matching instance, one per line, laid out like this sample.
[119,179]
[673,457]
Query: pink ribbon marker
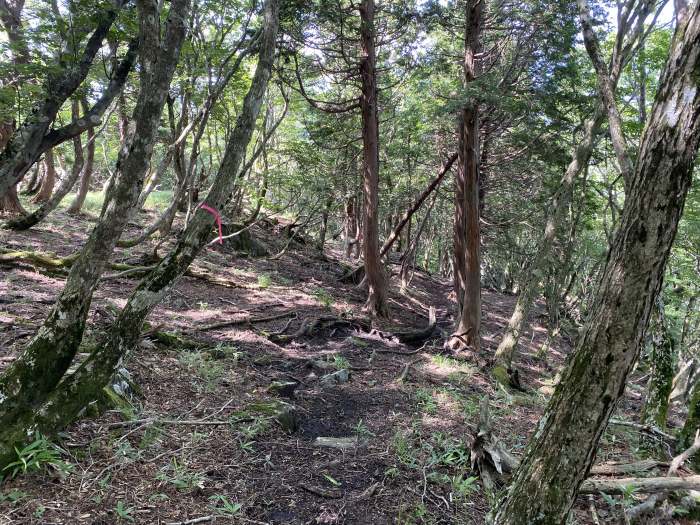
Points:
[217,217]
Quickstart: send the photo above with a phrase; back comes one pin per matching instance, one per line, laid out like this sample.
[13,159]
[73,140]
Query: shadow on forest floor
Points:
[407,459]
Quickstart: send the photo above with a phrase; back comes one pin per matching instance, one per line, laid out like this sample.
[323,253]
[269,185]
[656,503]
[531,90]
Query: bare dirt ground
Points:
[203,440]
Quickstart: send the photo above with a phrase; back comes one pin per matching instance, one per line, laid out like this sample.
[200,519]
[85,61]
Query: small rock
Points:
[283,388]
[336,378]
[342,443]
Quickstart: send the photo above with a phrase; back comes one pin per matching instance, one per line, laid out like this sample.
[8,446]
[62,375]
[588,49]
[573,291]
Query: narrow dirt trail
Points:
[230,426]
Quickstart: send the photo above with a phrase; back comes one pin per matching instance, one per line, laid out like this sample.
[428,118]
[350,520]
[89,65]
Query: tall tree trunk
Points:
[27,382]
[580,158]
[11,19]
[467,238]
[350,225]
[376,280]
[563,448]
[544,254]
[86,173]
[85,384]
[48,181]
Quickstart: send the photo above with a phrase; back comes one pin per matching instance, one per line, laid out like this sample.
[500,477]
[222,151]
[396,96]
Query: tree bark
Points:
[606,91]
[563,448]
[561,199]
[86,173]
[692,423]
[48,181]
[11,19]
[27,382]
[27,221]
[374,273]
[663,369]
[467,237]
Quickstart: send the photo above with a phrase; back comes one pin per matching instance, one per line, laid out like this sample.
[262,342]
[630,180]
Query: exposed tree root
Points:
[418,336]
[311,325]
[646,429]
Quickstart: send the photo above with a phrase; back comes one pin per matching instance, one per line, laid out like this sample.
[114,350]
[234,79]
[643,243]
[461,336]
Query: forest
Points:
[349,262]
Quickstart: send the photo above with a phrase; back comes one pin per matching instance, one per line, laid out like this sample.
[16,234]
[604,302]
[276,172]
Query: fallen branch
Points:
[406,368]
[399,352]
[616,469]
[643,485]
[650,503]
[647,429]
[418,336]
[156,421]
[236,322]
[203,519]
[685,455]
[594,513]
[321,492]
[312,324]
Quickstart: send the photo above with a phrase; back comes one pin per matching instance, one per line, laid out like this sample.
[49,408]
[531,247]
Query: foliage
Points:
[39,455]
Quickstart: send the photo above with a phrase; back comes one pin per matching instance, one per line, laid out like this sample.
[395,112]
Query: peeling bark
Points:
[374,272]
[467,235]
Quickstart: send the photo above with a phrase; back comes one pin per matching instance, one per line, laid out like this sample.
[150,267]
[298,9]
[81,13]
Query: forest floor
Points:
[202,439]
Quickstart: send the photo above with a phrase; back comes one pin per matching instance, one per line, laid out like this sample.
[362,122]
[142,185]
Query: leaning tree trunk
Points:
[560,202]
[86,383]
[27,221]
[563,448]
[691,426]
[9,204]
[467,238]
[376,280]
[406,217]
[544,255]
[27,382]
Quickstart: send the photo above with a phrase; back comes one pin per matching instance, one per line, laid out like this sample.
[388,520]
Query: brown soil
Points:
[413,434]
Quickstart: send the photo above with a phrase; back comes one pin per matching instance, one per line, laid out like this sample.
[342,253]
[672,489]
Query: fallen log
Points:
[643,485]
[617,469]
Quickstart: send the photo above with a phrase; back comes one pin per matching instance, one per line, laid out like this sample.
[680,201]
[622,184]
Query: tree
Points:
[36,372]
[546,483]
[64,403]
[630,36]
[376,280]
[467,238]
